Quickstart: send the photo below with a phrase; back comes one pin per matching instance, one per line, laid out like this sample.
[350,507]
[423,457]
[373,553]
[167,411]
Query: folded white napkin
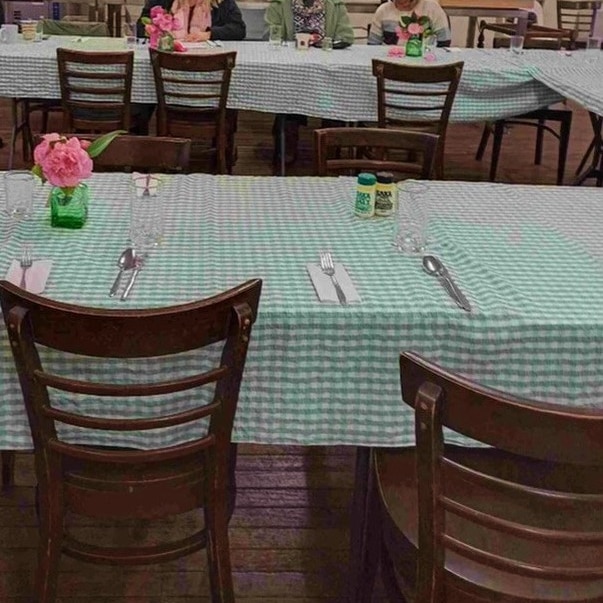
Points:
[35,277]
[146,182]
[323,285]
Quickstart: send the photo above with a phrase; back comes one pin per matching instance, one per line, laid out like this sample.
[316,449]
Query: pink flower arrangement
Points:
[161,23]
[66,162]
[414,26]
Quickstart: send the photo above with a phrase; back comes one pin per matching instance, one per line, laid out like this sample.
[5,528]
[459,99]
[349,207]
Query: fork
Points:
[327,266]
[25,263]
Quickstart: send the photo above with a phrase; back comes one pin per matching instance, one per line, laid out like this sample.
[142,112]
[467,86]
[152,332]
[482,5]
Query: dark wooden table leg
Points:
[595,170]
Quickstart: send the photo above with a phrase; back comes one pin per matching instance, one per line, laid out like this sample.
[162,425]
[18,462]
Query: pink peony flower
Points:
[179,46]
[156,10]
[42,149]
[64,163]
[414,29]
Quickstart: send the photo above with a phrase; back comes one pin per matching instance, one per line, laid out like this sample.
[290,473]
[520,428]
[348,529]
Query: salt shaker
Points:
[365,195]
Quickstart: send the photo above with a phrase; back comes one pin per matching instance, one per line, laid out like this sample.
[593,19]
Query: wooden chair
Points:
[23,108]
[96,88]
[579,16]
[192,92]
[331,145]
[143,154]
[519,522]
[418,98]
[536,37]
[123,483]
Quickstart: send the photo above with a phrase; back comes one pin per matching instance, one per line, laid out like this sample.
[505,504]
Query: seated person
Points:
[386,20]
[201,19]
[323,18]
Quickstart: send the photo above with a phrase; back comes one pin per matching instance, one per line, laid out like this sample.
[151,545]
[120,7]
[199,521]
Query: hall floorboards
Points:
[289,534]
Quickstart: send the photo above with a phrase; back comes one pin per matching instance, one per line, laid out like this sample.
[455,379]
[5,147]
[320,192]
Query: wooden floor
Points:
[289,534]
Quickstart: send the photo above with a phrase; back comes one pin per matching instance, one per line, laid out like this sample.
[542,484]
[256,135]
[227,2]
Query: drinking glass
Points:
[410,219]
[28,30]
[19,192]
[146,213]
[276,36]
[130,35]
[516,44]
[430,43]
[593,50]
[327,44]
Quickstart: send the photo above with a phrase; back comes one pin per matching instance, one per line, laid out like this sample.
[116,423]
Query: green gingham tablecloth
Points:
[333,85]
[579,77]
[529,258]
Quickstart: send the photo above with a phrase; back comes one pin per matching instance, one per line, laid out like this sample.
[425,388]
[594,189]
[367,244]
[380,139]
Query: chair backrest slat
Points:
[578,16]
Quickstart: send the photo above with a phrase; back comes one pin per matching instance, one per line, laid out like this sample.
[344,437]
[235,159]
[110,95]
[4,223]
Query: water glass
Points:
[593,50]
[146,213]
[129,31]
[327,44]
[276,36]
[516,44]
[28,30]
[19,194]
[410,219]
[429,44]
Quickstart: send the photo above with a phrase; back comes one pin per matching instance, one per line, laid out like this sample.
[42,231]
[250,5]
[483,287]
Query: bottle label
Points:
[364,203]
[384,205]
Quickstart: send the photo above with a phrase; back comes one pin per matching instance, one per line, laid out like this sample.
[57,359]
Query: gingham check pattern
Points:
[334,85]
[530,259]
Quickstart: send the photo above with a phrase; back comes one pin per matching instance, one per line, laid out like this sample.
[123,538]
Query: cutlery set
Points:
[431,265]
[128,262]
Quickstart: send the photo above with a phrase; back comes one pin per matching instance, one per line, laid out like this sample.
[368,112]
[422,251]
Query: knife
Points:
[139,264]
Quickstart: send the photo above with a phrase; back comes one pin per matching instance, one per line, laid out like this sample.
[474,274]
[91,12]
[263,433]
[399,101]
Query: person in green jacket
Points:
[323,19]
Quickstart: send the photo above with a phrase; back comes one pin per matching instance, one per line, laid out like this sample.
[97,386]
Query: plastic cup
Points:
[516,44]
[29,30]
[19,193]
[146,213]
[410,223]
[275,36]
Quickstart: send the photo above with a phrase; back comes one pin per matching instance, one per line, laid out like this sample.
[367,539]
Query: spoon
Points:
[127,261]
[434,267]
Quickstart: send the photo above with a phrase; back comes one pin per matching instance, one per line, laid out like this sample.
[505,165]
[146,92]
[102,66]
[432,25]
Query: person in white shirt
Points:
[387,20]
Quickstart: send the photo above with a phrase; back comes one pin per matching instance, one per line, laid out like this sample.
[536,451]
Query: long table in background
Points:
[529,258]
[332,85]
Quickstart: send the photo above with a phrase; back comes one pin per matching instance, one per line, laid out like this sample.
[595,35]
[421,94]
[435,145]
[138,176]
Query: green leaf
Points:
[145,20]
[102,142]
[36,170]
[405,21]
[423,20]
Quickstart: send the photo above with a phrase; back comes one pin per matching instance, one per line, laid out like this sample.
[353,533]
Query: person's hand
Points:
[201,36]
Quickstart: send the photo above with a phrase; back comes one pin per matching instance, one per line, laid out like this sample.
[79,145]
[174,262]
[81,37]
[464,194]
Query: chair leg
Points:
[584,160]
[564,137]
[483,143]
[218,551]
[8,468]
[499,131]
[539,141]
[49,552]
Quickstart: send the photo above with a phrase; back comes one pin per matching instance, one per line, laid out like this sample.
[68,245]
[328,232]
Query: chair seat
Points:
[398,478]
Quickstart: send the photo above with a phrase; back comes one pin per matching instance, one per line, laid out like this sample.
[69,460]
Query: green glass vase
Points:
[414,47]
[166,43]
[69,209]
